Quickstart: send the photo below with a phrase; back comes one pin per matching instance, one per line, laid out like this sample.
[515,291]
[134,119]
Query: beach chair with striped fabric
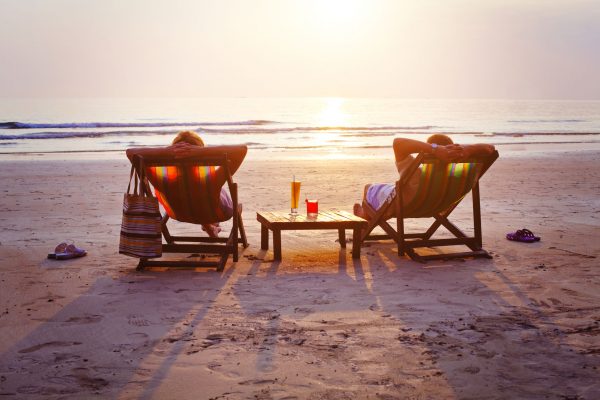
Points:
[442,186]
[188,187]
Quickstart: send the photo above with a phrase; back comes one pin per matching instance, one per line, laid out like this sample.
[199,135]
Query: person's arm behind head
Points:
[478,149]
[235,154]
[404,147]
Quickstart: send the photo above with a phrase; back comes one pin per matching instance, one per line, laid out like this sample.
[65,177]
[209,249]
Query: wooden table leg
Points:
[277,244]
[264,237]
[356,243]
[342,237]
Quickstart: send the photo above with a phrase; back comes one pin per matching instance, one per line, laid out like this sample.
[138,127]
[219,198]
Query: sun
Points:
[338,10]
[338,14]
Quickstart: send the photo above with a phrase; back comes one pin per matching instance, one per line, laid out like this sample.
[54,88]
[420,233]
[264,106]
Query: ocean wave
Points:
[318,129]
[545,121]
[361,132]
[385,146]
[81,134]
[519,134]
[76,125]
[346,131]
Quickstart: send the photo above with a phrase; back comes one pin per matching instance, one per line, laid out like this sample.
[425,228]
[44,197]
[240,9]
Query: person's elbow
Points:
[399,145]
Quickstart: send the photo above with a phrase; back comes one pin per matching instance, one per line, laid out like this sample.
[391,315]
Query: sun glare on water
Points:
[332,114]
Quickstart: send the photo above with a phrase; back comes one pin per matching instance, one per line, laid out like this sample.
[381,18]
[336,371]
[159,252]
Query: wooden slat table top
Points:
[326,219]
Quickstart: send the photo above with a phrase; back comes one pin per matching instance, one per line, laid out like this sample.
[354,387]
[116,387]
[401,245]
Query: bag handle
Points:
[130,176]
[135,182]
[140,181]
[144,186]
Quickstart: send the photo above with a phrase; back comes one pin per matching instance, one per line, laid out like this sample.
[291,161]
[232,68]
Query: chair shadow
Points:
[78,348]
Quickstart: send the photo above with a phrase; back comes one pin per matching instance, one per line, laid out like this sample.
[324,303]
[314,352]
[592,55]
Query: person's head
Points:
[439,139]
[190,137]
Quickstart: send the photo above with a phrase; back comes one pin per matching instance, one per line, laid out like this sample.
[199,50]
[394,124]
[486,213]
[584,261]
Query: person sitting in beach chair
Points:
[430,185]
[180,144]
[189,181]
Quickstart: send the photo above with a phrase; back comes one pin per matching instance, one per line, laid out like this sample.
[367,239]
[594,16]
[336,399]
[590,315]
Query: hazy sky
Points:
[359,48]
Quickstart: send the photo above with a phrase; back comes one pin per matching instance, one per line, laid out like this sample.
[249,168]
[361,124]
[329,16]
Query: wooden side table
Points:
[278,221]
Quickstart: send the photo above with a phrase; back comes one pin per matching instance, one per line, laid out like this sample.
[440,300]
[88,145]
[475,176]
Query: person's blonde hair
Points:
[438,138]
[190,137]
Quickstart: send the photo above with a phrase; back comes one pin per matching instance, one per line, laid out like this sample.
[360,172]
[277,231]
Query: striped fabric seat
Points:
[188,193]
[441,186]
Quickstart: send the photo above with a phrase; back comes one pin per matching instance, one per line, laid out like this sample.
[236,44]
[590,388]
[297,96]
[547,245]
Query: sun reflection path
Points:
[330,117]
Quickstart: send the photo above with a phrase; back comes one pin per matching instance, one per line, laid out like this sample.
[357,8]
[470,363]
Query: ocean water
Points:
[286,127]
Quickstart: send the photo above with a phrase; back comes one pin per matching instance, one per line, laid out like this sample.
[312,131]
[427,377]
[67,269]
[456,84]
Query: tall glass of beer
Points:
[295,196]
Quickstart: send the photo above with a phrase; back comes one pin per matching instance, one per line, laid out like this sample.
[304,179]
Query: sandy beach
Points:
[318,324]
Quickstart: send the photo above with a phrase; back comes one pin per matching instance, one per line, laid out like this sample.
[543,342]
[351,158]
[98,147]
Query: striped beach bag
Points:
[141,225]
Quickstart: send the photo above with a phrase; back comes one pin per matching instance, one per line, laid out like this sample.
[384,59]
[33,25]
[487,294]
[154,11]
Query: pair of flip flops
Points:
[65,251]
[523,235]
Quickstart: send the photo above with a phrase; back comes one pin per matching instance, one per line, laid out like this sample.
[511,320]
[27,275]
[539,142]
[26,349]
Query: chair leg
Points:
[400,222]
[374,218]
[400,235]
[222,262]
[233,235]
[165,231]
[364,233]
[242,230]
[233,242]
[477,216]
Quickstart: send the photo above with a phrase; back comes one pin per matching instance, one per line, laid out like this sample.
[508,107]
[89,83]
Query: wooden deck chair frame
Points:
[408,242]
[222,247]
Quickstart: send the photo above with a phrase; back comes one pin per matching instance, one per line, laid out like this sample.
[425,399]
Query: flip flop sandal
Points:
[523,235]
[59,249]
[529,233]
[71,251]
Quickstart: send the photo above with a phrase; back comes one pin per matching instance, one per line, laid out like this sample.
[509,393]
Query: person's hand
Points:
[449,153]
[182,149]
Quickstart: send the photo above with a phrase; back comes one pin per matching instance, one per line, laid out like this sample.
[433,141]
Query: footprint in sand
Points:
[554,301]
[321,300]
[86,381]
[45,391]
[48,344]
[570,292]
[258,382]
[86,319]
[303,310]
[65,357]
[138,335]
[80,378]
[214,366]
[472,369]
[137,321]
